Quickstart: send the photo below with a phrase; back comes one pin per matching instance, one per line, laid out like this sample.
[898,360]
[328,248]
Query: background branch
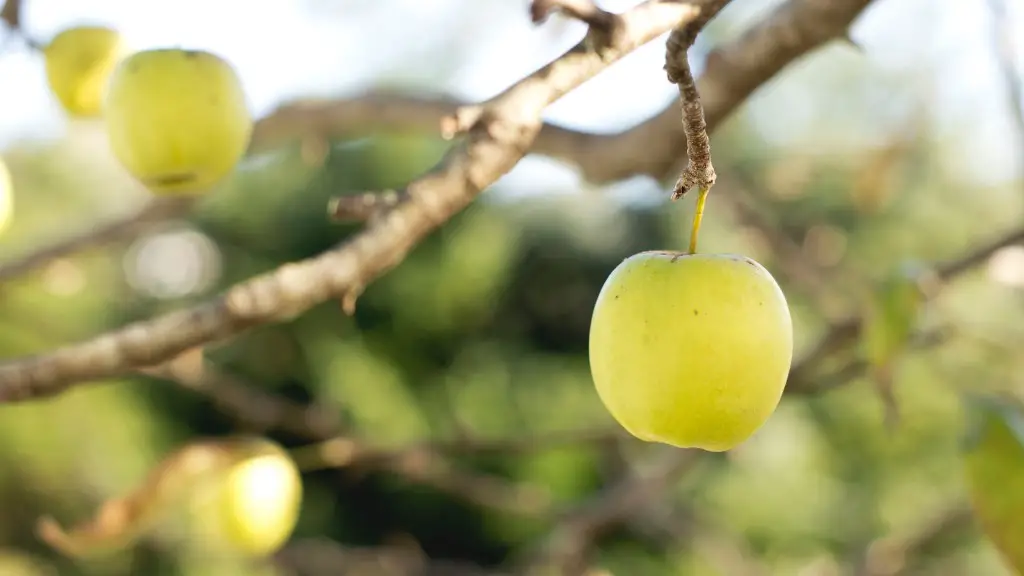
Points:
[733,71]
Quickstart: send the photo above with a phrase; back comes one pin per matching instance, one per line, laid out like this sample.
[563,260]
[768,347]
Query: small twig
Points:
[256,410]
[104,233]
[11,14]
[699,171]
[585,11]
[951,268]
[322,557]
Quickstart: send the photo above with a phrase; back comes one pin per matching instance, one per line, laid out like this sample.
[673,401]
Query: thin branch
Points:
[255,410]
[501,137]
[733,71]
[956,266]
[152,212]
[583,10]
[10,13]
[699,171]
[842,335]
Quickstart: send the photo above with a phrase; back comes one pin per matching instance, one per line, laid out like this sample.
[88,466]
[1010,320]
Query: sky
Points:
[284,49]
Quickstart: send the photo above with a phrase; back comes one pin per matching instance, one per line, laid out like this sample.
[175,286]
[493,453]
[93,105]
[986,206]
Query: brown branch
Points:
[654,147]
[331,119]
[11,14]
[255,410]
[125,226]
[501,137]
[699,171]
[583,10]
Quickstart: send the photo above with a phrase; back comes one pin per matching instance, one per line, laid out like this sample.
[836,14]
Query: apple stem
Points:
[702,198]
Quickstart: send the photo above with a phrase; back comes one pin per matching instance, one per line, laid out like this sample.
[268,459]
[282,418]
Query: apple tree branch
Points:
[502,134]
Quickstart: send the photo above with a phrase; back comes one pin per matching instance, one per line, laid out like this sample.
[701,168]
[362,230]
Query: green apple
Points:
[178,120]
[691,350]
[79,62]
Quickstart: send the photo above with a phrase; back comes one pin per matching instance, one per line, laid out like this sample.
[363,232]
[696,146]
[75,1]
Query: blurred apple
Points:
[178,120]
[79,62]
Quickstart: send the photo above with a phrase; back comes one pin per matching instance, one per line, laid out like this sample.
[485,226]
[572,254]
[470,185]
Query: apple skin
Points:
[692,351]
[79,62]
[178,120]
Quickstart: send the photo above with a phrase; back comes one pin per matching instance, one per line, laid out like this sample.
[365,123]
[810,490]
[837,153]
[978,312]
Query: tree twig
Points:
[699,171]
[255,410]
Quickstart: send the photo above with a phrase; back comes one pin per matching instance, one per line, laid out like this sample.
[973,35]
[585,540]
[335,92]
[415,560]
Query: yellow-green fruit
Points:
[79,62]
[6,196]
[251,506]
[994,468]
[178,120]
[691,350]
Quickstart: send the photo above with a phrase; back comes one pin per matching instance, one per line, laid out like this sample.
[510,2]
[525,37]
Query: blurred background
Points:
[901,145]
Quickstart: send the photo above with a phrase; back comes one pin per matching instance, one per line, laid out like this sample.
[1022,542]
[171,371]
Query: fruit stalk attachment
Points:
[698,215]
